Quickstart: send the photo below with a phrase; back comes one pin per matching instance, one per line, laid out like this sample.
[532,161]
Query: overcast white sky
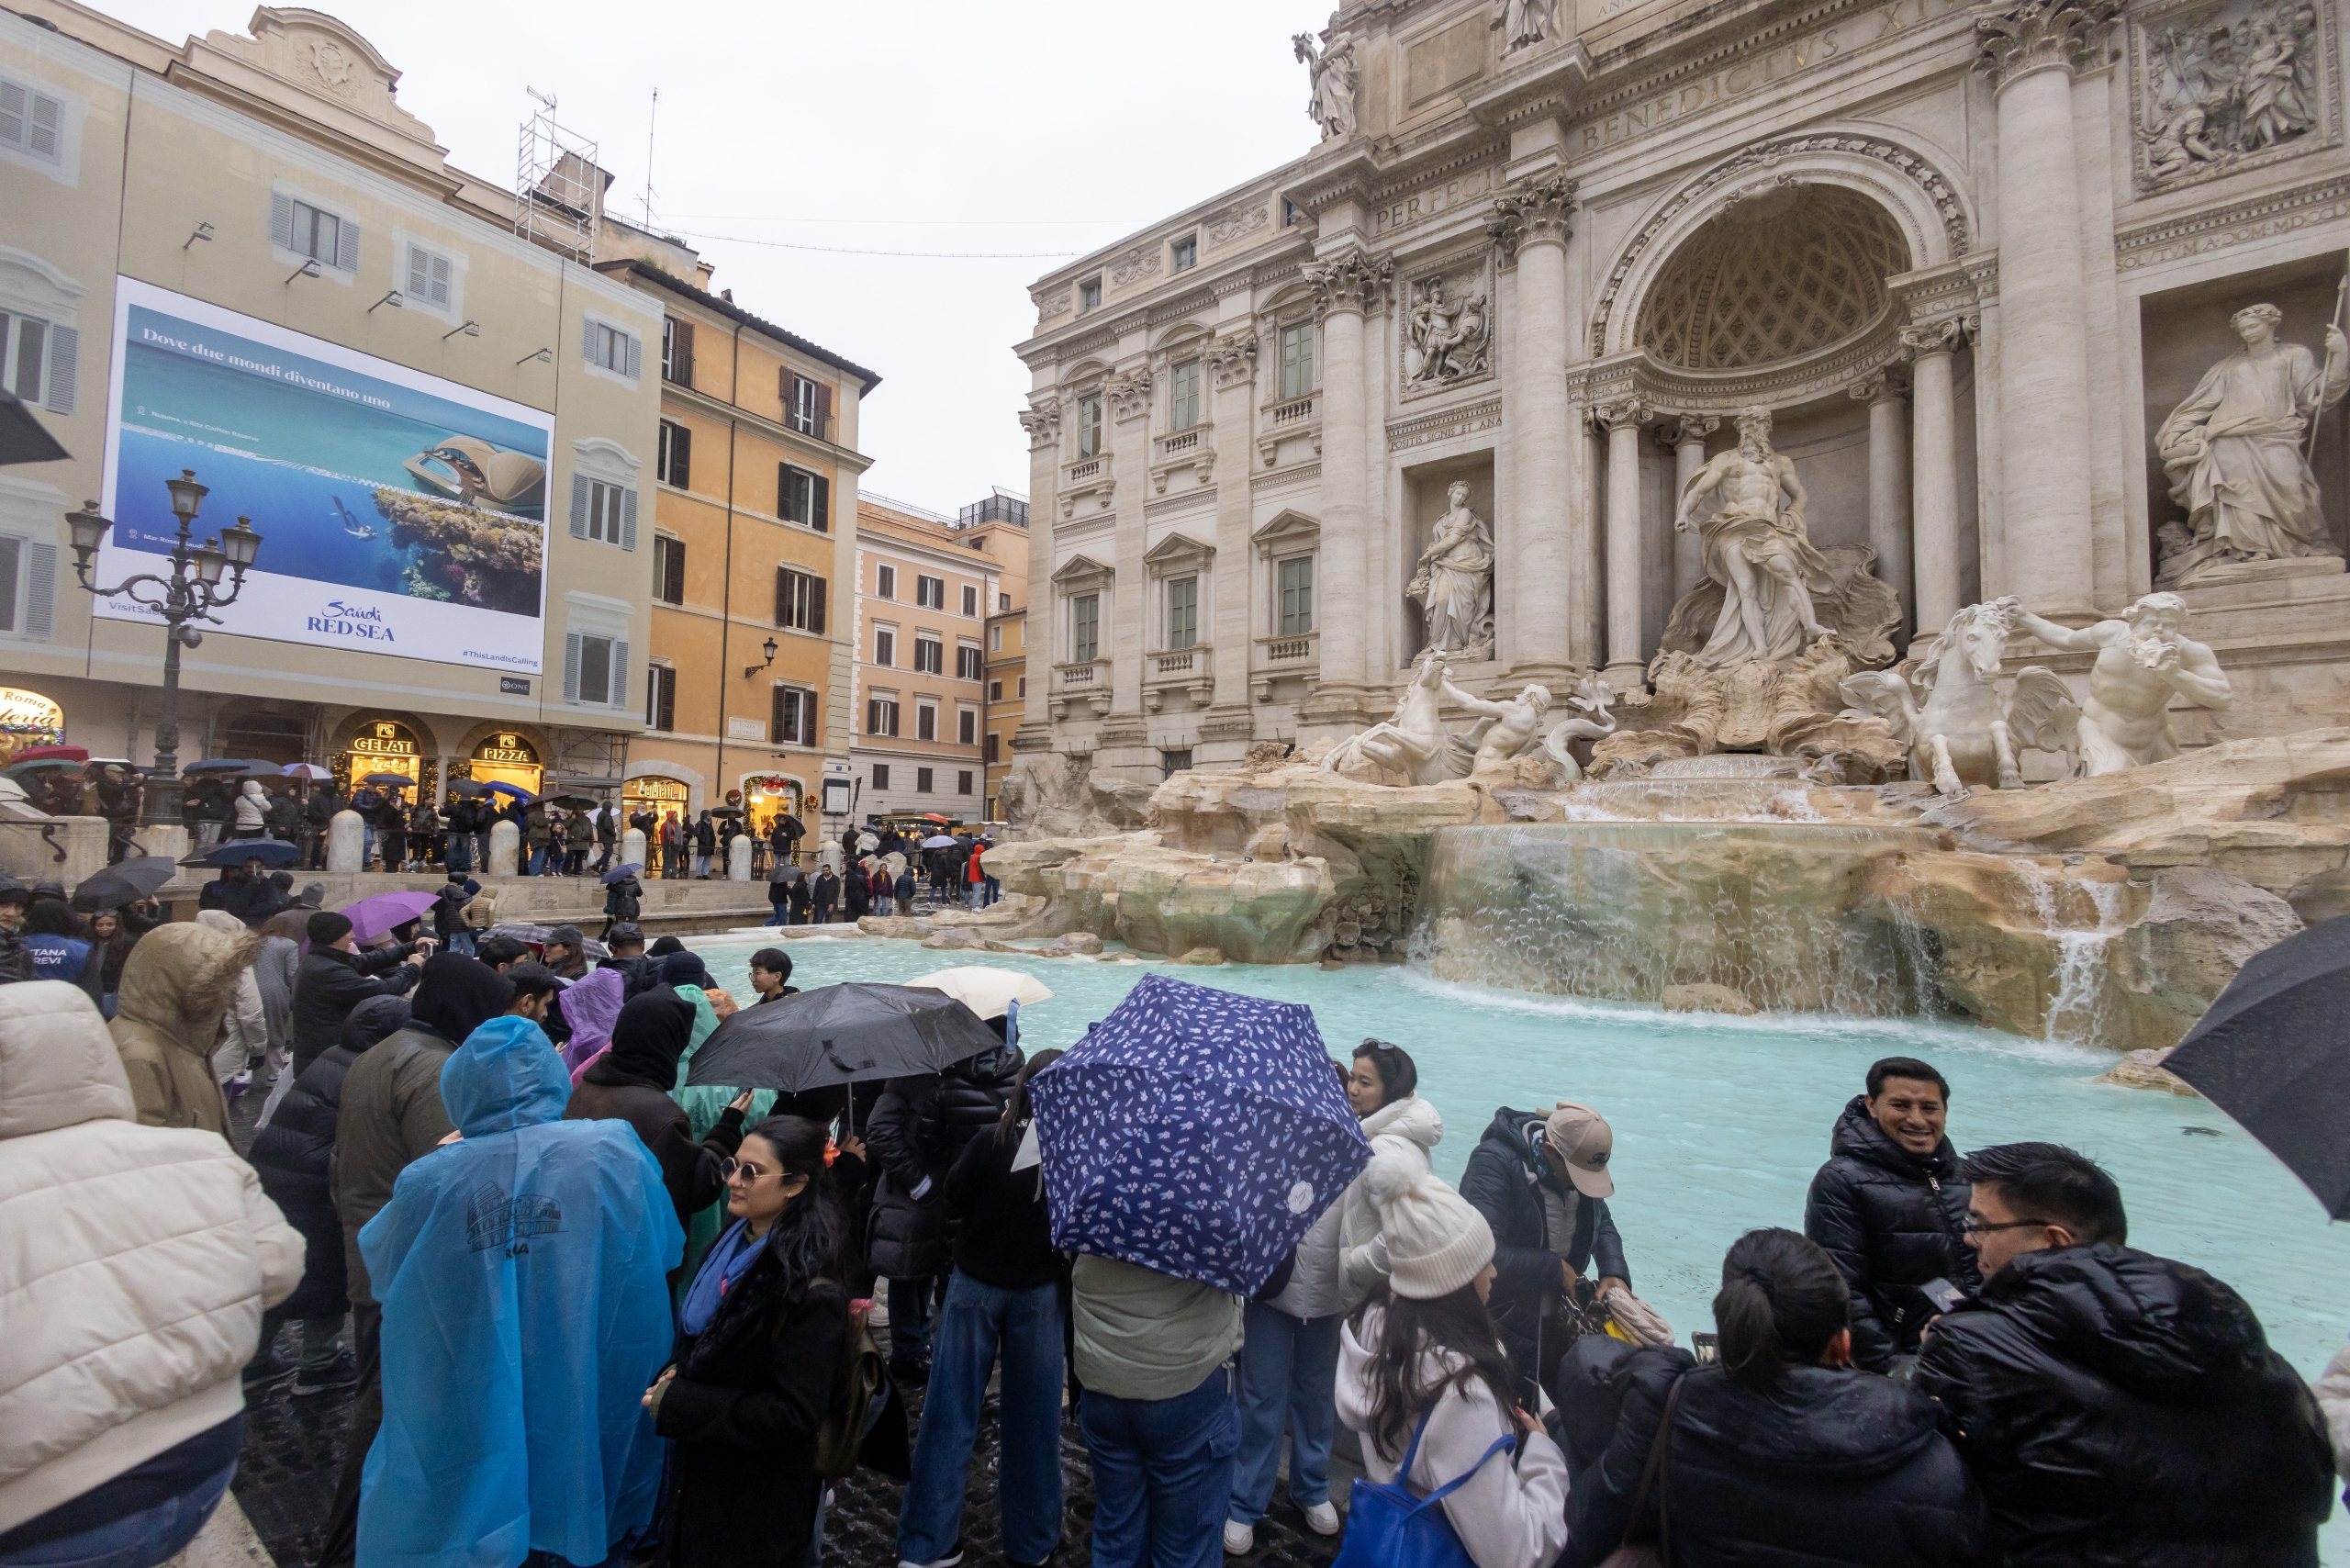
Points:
[1046,126]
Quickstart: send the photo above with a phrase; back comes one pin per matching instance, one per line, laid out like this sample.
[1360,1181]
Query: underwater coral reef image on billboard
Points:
[402,513]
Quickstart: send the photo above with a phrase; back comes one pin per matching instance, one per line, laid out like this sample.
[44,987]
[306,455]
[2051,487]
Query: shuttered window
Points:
[31,122]
[795,717]
[799,600]
[38,360]
[969,663]
[612,348]
[1182,612]
[925,724]
[603,511]
[1183,395]
[1297,597]
[881,719]
[428,277]
[678,351]
[326,238]
[673,464]
[922,781]
[670,570]
[595,669]
[807,405]
[1085,627]
[27,586]
[929,656]
[803,498]
[660,698]
[966,728]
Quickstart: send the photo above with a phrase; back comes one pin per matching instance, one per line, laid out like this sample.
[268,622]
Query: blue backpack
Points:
[1389,1527]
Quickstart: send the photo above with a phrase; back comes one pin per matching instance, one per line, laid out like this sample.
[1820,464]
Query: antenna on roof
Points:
[651,123]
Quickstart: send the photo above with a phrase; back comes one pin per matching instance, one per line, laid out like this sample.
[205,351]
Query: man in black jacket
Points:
[1542,1184]
[2117,1407]
[1890,1207]
[335,977]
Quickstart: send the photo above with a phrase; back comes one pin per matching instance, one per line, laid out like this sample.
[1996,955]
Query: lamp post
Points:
[192,592]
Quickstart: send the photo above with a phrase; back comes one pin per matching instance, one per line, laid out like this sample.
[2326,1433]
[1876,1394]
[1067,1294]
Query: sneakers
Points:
[340,1373]
[1239,1540]
[954,1555]
[1322,1518]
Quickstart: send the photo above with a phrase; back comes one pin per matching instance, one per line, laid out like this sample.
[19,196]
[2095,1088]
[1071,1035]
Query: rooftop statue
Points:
[1336,73]
[2236,452]
[1525,23]
[1756,547]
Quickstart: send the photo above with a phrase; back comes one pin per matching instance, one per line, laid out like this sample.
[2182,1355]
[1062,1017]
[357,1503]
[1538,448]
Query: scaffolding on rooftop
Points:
[558,185]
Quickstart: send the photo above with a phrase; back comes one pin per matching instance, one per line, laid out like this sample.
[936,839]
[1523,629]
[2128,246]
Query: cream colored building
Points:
[239,255]
[1969,258]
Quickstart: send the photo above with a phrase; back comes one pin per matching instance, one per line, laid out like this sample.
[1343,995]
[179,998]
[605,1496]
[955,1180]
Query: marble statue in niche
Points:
[2237,452]
[1453,584]
[2144,659]
[1525,23]
[1755,545]
[2231,82]
[1335,74]
[1446,336]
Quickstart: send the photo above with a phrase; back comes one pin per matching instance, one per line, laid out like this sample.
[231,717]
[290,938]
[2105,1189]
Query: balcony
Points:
[1094,478]
[1279,658]
[1277,423]
[1188,449]
[1185,672]
[1086,682]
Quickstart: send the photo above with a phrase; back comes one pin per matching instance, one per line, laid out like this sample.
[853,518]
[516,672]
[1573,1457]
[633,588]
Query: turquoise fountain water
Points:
[1720,1122]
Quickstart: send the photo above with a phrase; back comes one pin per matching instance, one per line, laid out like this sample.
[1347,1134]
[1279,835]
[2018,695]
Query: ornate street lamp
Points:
[192,592]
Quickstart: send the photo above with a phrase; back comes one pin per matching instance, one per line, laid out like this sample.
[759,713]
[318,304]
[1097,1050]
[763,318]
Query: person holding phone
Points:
[1890,1207]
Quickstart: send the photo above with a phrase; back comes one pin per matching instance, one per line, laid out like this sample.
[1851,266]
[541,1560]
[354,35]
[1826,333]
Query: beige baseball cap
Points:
[1582,1139]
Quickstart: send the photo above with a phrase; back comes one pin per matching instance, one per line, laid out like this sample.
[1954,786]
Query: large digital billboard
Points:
[401,514]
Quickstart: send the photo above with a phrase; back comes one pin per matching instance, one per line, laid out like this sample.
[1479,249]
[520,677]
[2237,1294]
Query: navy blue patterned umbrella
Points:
[1195,1132]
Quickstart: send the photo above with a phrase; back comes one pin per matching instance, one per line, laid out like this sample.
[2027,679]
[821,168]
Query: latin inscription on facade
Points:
[1463,190]
[1668,105]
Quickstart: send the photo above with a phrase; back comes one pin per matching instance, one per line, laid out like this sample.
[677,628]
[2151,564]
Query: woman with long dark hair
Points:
[1002,1299]
[761,1339]
[1423,1377]
[1781,1453]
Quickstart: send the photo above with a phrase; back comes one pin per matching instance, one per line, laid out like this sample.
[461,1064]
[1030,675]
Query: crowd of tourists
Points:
[1952,1361]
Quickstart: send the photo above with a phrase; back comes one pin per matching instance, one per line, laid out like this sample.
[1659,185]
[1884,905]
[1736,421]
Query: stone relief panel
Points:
[1447,326]
[2225,85]
[1238,222]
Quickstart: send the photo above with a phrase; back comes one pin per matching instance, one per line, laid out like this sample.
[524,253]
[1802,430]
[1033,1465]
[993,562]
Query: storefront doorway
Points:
[380,745]
[765,796]
[27,720]
[508,758]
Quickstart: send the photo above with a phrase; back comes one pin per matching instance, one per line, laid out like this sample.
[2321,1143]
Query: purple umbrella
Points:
[1195,1132]
[372,917]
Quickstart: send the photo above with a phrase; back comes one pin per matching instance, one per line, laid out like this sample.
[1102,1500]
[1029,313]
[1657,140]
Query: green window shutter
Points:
[571,667]
[823,518]
[628,519]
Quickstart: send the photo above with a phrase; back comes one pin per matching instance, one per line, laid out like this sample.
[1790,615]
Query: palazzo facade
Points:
[1441,380]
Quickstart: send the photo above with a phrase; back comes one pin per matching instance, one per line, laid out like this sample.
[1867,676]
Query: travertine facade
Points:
[1538,257]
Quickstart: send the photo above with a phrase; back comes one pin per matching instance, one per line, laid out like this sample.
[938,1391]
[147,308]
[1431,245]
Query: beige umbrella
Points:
[988,991]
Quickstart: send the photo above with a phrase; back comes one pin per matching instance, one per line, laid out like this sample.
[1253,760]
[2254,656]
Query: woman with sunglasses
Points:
[760,1340]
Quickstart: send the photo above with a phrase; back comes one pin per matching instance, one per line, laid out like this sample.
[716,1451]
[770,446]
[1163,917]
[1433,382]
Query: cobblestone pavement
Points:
[293,1448]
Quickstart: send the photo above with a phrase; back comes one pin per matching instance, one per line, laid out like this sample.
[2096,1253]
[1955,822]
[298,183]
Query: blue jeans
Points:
[977,1323]
[139,1541]
[1289,1379]
[1162,1473]
[536,865]
[462,941]
[910,1322]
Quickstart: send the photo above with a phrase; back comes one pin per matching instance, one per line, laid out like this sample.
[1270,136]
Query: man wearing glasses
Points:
[2117,1407]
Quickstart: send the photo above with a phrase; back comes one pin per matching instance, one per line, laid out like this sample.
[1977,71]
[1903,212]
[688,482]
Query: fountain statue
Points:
[1415,744]
[1755,547]
[1454,583]
[2237,457]
[2144,659]
[1959,730]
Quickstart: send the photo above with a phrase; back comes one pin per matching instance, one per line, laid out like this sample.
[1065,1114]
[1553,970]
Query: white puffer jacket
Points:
[1410,1127]
[138,1263]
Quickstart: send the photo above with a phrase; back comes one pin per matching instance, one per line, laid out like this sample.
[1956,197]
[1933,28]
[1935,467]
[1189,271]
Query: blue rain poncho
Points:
[525,1313]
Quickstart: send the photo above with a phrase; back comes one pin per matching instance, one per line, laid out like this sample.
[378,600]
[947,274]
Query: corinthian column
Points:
[1531,221]
[1344,288]
[1043,422]
[1934,475]
[2030,49]
[1685,439]
[1627,669]
[1888,482]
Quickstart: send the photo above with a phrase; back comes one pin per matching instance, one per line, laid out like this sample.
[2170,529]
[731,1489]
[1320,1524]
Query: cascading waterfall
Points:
[2074,1014]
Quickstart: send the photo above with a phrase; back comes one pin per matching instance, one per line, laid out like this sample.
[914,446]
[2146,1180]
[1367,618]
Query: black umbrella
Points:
[249,766]
[841,1034]
[793,828]
[134,879]
[467,787]
[22,439]
[237,851]
[2274,1053]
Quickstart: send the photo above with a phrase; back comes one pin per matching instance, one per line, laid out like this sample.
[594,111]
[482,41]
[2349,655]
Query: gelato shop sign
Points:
[28,719]
[406,514]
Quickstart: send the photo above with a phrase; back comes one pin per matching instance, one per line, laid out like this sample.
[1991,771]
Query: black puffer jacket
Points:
[332,983]
[2123,1410]
[970,1101]
[1833,1468]
[905,1230]
[1893,1222]
[1503,1181]
[292,1155]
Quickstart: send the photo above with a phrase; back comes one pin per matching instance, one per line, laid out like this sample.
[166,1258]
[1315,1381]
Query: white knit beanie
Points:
[1436,1242]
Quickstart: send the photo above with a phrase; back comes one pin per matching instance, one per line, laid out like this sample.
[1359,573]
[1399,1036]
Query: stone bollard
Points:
[505,849]
[346,843]
[738,860]
[633,848]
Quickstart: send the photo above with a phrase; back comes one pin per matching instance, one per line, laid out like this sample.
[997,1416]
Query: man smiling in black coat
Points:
[1890,1207]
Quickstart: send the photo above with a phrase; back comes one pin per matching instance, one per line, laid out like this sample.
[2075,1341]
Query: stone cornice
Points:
[719,408]
[2237,223]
